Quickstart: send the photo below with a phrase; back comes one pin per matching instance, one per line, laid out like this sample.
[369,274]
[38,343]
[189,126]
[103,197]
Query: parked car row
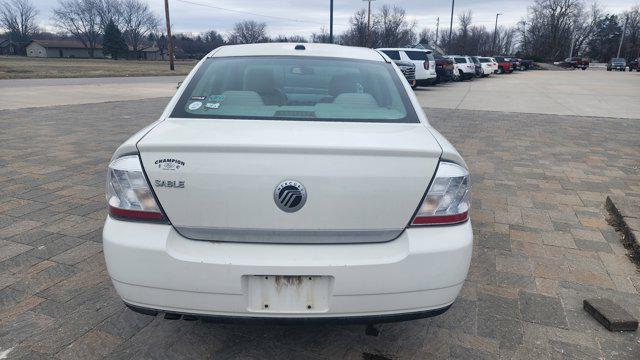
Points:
[620,64]
[431,69]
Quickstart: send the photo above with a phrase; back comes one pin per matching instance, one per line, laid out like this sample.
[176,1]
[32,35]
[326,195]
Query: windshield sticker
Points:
[198,97]
[216,98]
[212,105]
[195,105]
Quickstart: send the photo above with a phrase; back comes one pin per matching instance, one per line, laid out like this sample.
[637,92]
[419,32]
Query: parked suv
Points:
[504,65]
[489,66]
[444,68]
[464,68]
[634,65]
[289,183]
[408,69]
[423,59]
[618,64]
[478,66]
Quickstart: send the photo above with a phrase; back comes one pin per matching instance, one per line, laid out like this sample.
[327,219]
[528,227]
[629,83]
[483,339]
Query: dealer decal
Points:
[169,164]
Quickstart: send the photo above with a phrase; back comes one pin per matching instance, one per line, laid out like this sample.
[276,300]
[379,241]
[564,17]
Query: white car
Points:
[423,59]
[489,66]
[285,183]
[464,68]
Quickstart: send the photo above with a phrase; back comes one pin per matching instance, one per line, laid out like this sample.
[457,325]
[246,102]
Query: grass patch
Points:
[19,67]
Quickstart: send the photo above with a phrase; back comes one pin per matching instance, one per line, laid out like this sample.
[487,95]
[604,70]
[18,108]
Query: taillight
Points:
[426,65]
[448,199]
[128,193]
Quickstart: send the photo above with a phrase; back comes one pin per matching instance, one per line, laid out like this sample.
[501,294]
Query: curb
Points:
[630,237]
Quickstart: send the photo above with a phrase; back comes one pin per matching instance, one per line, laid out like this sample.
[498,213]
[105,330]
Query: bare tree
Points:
[137,22]
[464,23]
[110,10]
[393,28]
[552,26]
[18,17]
[81,19]
[321,37]
[248,32]
[356,35]
[427,37]
[290,39]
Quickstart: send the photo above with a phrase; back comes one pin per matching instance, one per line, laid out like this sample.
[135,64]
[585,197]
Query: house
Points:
[146,52]
[10,47]
[61,49]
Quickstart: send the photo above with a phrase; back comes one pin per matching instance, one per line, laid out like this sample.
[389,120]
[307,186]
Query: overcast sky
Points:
[304,17]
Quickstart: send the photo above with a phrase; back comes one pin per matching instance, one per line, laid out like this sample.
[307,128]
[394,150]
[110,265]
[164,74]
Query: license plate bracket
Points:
[288,293]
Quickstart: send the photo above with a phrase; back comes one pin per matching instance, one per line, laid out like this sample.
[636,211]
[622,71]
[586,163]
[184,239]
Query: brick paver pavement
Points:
[542,245]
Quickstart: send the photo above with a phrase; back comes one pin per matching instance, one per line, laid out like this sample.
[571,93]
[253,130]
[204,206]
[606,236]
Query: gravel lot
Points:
[542,245]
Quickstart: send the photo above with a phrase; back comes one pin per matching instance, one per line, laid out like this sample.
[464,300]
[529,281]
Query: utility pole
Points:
[169,38]
[368,39]
[573,43]
[453,4]
[495,34]
[624,30]
[437,29]
[331,21]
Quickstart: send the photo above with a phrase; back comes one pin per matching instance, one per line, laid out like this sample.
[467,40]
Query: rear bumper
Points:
[419,274]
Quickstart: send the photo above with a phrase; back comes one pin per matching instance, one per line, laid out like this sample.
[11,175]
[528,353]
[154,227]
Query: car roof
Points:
[405,49]
[289,49]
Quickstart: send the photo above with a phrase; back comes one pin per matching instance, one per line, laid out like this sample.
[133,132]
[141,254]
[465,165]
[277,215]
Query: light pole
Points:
[368,39]
[495,33]
[437,29]
[453,4]
[331,21]
[169,38]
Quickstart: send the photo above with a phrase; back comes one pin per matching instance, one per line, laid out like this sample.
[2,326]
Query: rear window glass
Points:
[296,88]
[460,60]
[484,60]
[393,55]
[417,55]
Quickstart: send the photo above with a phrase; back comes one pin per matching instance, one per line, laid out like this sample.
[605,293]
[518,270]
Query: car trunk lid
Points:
[215,179]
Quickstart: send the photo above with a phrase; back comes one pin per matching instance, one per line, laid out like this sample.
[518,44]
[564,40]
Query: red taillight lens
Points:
[128,193]
[448,199]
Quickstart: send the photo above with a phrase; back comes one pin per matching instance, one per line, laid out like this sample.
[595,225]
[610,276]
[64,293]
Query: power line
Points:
[251,13]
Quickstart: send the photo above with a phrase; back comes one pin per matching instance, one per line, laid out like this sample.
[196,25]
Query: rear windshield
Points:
[460,60]
[392,54]
[484,60]
[417,55]
[618,59]
[296,88]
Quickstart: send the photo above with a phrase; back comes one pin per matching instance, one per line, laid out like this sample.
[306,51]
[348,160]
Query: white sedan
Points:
[286,183]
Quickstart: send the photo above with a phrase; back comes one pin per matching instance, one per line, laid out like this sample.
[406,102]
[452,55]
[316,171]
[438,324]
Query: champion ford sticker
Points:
[212,105]
[169,164]
[195,105]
